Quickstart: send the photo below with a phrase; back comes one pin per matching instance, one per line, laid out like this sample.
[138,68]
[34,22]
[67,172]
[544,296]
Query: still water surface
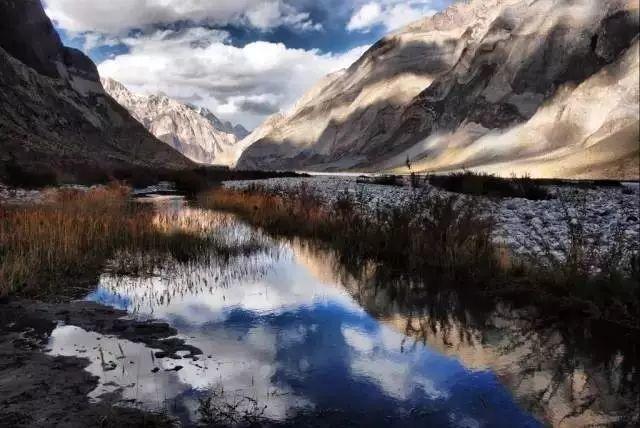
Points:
[286,326]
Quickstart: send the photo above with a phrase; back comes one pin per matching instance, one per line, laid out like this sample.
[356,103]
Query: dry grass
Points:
[446,235]
[447,240]
[65,242]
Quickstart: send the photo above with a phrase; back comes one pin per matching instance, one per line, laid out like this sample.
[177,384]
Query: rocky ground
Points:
[609,215]
[9,195]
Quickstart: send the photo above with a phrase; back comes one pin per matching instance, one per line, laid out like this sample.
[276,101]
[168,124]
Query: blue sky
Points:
[243,59]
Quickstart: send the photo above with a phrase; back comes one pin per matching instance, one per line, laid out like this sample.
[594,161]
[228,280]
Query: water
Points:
[287,334]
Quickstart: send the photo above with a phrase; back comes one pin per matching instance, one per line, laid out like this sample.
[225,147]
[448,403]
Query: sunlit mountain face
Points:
[244,60]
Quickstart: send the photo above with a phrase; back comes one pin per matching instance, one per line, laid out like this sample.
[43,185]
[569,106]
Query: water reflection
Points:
[290,327]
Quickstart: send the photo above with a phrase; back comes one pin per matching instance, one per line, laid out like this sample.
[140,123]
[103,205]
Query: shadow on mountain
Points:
[469,92]
[383,61]
[54,114]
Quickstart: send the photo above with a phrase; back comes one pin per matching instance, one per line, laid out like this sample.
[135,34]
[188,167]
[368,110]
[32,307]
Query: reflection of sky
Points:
[273,331]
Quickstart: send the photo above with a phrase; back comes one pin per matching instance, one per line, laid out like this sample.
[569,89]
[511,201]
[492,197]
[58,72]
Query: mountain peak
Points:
[193,130]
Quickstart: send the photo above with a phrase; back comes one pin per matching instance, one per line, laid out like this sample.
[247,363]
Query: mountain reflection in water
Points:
[288,326]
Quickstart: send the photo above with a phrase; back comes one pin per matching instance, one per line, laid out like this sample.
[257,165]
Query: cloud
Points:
[242,84]
[257,106]
[211,52]
[366,17]
[119,16]
[392,14]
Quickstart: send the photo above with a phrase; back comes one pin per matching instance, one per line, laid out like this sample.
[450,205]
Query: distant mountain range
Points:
[548,88]
[54,113]
[193,131]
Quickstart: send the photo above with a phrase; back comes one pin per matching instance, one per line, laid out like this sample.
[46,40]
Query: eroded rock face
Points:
[54,113]
[510,86]
[193,131]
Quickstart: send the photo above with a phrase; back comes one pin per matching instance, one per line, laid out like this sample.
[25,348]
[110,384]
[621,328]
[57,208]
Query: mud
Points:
[41,390]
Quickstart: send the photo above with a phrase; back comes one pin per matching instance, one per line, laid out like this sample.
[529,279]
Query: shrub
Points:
[599,277]
[382,180]
[29,178]
[489,185]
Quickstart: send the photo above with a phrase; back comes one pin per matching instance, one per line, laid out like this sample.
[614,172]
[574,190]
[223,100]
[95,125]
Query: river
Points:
[289,335]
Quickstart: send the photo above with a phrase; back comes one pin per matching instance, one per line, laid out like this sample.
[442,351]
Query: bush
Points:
[489,185]
[29,178]
[382,180]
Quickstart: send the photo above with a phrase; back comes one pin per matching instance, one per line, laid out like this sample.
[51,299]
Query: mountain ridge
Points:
[193,131]
[54,113]
[445,90]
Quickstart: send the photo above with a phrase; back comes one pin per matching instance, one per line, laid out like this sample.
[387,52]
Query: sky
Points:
[242,59]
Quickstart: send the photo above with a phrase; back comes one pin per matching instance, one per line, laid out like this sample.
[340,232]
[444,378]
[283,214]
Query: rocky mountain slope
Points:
[548,88]
[54,113]
[194,131]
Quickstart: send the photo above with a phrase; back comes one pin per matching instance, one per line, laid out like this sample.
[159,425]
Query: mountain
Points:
[239,131]
[194,131]
[548,88]
[54,113]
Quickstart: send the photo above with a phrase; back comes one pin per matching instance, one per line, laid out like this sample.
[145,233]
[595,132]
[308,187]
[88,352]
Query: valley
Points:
[434,220]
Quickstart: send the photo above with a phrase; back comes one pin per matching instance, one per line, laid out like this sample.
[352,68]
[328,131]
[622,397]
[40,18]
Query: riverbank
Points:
[577,251]
[54,246]
[523,225]
[40,389]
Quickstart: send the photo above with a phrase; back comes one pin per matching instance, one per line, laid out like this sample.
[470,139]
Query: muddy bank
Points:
[41,390]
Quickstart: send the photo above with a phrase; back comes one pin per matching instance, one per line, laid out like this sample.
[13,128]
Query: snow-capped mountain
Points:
[548,88]
[194,131]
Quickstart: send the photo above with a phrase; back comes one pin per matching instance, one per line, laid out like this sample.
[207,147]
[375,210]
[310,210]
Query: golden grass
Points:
[66,241]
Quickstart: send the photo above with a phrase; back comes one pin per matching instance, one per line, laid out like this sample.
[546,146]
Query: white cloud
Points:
[119,16]
[242,84]
[392,14]
[366,17]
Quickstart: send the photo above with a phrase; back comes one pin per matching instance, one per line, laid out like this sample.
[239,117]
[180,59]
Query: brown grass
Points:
[65,242]
[446,235]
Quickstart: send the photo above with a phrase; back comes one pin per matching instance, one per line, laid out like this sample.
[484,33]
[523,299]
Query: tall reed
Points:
[63,243]
[447,240]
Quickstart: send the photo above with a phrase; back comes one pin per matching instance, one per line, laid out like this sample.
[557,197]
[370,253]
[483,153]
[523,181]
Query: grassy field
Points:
[447,240]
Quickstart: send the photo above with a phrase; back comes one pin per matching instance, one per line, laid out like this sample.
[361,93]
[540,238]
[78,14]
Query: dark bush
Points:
[471,183]
[29,178]
[383,180]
